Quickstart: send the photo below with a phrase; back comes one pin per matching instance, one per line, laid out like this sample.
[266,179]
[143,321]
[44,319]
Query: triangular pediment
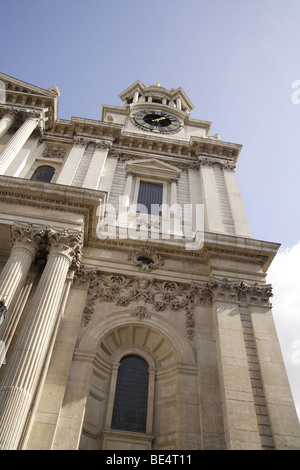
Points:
[153,167]
[12,83]
[19,94]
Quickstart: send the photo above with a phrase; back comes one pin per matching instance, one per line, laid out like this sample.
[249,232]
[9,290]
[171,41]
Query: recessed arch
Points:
[169,355]
[120,331]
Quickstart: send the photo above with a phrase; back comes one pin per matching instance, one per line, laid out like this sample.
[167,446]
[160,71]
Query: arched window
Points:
[43,173]
[131,396]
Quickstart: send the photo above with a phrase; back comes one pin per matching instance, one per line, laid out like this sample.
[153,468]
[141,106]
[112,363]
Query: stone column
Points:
[13,276]
[6,122]
[22,375]
[17,141]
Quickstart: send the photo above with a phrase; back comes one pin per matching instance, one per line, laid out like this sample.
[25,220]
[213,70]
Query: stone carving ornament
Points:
[146,259]
[242,292]
[166,295]
[123,290]
[40,238]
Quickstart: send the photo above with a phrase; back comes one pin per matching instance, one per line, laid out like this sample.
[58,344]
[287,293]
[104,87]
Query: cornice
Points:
[61,198]
[215,247]
[143,145]
[124,141]
[88,127]
[240,249]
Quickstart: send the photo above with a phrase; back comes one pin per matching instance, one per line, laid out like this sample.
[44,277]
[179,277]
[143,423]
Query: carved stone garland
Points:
[166,295]
[122,290]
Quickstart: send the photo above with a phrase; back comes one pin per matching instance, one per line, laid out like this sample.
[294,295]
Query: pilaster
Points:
[239,415]
[279,401]
[213,219]
[95,170]
[71,164]
[238,214]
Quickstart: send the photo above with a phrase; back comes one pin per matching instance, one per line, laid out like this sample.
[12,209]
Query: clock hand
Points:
[159,119]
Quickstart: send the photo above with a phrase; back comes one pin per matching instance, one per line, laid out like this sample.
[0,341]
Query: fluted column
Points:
[13,276]
[25,366]
[6,122]
[17,141]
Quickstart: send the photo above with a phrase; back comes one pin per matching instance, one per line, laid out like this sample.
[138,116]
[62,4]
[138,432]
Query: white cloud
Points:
[284,275]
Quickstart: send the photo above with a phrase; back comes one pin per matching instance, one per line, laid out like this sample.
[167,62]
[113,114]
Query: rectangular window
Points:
[150,198]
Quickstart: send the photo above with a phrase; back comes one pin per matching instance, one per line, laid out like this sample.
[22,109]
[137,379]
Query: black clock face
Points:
[157,121]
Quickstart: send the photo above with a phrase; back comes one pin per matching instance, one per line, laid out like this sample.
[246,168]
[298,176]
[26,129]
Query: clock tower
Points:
[136,313]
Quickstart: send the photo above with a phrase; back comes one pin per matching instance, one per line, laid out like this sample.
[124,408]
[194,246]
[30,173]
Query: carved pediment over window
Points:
[153,167]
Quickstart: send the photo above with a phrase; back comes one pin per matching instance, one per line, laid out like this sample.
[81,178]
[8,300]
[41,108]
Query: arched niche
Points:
[170,358]
[165,343]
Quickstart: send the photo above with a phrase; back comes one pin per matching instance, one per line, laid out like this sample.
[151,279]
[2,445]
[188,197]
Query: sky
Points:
[237,61]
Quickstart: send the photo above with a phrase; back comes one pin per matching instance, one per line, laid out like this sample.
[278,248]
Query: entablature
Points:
[214,151]
[45,198]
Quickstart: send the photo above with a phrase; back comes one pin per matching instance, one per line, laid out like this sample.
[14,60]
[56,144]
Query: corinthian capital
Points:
[103,144]
[27,236]
[242,292]
[67,243]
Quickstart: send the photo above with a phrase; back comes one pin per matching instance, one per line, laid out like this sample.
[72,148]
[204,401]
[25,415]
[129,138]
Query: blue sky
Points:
[235,59]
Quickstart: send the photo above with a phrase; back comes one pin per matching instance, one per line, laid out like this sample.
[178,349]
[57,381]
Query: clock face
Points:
[157,121]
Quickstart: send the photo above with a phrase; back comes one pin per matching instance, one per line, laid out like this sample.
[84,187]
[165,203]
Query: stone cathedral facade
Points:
[136,312]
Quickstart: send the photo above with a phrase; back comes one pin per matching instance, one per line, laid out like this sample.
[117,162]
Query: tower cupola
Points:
[140,93]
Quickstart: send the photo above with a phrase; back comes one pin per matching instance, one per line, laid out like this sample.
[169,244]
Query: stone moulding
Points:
[165,295]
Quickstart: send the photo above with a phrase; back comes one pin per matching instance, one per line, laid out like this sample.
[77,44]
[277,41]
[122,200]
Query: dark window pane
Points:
[150,198]
[146,261]
[43,173]
[130,405]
